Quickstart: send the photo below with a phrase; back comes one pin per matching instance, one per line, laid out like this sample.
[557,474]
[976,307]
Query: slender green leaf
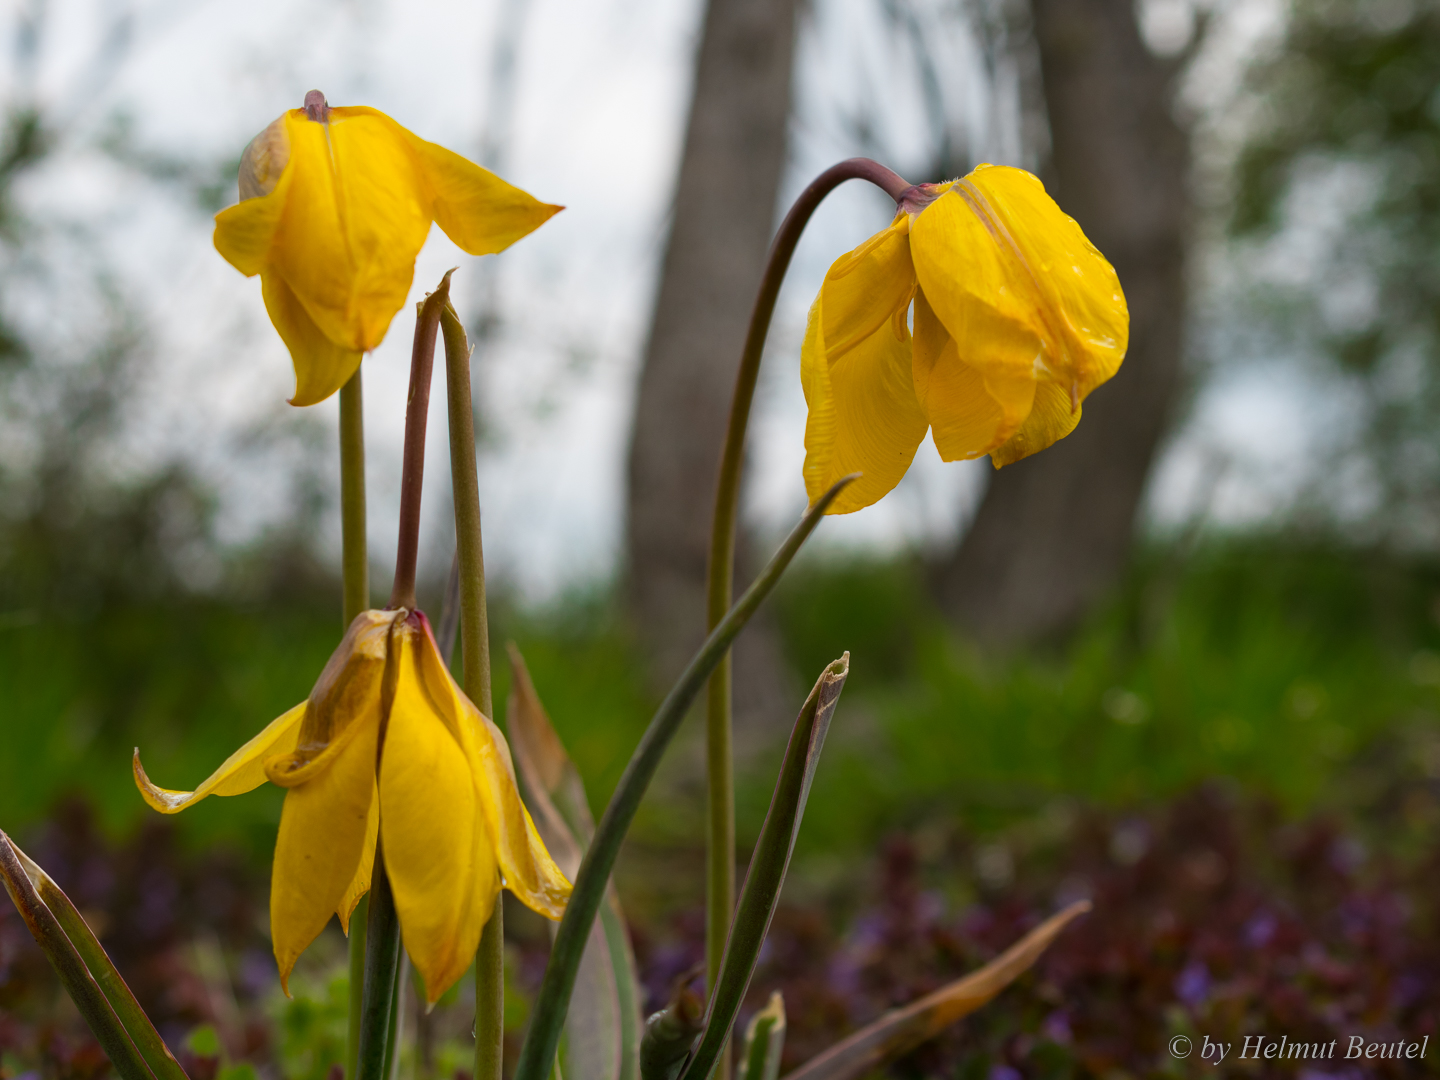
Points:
[764,1042]
[602,1030]
[627,984]
[768,864]
[593,879]
[97,961]
[86,971]
[901,1030]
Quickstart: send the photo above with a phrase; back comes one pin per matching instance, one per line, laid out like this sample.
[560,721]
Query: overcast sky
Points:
[594,121]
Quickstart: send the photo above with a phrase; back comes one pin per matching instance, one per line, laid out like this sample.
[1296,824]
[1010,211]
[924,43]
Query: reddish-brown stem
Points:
[417,413]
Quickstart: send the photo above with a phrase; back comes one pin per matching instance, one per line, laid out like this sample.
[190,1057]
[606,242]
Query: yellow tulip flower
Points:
[388,746]
[335,204]
[1017,317]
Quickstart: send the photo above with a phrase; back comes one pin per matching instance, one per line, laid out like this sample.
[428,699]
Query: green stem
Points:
[720,816]
[382,962]
[490,995]
[590,883]
[474,627]
[355,559]
[475,654]
[355,568]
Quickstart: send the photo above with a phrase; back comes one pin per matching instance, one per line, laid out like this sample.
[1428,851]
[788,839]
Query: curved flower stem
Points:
[475,650]
[720,875]
[417,414]
[541,1042]
[355,569]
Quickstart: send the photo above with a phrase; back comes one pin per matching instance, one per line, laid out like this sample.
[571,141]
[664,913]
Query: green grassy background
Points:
[1299,671]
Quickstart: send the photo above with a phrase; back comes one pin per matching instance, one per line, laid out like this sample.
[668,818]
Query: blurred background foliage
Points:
[1236,730]
[1345,137]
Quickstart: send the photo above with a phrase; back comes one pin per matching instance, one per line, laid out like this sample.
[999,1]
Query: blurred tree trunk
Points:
[1053,531]
[724,212]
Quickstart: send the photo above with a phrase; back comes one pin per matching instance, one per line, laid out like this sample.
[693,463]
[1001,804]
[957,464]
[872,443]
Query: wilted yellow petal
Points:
[856,372]
[1053,417]
[345,697]
[440,861]
[528,870]
[242,771]
[479,211]
[323,834]
[245,232]
[1082,305]
[321,366]
[971,411]
[263,161]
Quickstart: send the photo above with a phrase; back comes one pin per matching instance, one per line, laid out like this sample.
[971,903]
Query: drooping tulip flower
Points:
[388,746]
[1017,317]
[335,204]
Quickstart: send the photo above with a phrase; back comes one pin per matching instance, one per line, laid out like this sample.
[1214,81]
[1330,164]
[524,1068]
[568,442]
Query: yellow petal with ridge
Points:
[324,828]
[987,309]
[242,771]
[527,869]
[354,220]
[1077,293]
[440,862]
[855,368]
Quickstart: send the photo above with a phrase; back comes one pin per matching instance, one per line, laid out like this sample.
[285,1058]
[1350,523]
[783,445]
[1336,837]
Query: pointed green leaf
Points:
[764,1042]
[768,864]
[121,1026]
[593,879]
[901,1030]
[602,1030]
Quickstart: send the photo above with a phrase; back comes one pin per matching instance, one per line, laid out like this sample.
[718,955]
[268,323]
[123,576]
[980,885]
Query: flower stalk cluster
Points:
[981,315]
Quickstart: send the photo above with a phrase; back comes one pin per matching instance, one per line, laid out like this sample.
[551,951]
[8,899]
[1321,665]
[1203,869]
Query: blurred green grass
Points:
[1275,663]
[1293,670]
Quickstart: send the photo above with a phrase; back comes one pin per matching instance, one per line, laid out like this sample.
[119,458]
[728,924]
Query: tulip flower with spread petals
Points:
[389,746]
[335,204]
[1017,317]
